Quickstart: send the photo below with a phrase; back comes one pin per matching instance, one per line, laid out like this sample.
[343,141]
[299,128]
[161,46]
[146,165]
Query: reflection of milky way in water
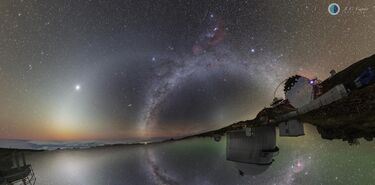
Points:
[163,173]
[158,174]
[303,160]
[172,169]
[288,168]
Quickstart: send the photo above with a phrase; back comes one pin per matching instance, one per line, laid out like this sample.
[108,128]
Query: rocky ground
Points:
[349,118]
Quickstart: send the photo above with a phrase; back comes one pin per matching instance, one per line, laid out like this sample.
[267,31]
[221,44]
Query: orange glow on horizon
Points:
[69,132]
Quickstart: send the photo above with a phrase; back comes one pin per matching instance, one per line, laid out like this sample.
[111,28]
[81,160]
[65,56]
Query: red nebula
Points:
[211,39]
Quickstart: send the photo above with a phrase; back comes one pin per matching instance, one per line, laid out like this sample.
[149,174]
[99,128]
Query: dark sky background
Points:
[140,69]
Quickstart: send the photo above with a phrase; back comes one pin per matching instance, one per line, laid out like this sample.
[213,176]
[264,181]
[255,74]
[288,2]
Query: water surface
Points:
[302,160]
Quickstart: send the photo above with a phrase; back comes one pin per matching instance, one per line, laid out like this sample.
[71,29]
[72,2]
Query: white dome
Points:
[301,93]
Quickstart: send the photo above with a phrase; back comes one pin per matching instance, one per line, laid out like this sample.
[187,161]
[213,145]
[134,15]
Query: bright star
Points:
[77,87]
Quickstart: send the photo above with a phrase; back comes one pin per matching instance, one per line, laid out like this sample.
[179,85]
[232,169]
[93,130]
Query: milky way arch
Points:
[178,70]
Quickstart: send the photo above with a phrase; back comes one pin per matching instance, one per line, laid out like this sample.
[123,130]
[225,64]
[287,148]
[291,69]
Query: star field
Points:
[146,69]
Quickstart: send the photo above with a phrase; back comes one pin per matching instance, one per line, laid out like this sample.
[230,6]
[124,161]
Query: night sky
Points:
[145,69]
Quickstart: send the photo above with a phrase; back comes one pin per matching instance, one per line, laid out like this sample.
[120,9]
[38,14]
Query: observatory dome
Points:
[298,90]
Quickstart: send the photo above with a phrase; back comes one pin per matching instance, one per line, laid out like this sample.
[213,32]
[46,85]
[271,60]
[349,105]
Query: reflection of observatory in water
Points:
[14,170]
[252,149]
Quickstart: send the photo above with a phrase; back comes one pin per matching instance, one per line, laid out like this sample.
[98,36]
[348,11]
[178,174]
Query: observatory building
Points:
[299,91]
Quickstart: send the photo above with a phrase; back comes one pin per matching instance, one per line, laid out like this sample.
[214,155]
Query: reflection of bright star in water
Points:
[77,87]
